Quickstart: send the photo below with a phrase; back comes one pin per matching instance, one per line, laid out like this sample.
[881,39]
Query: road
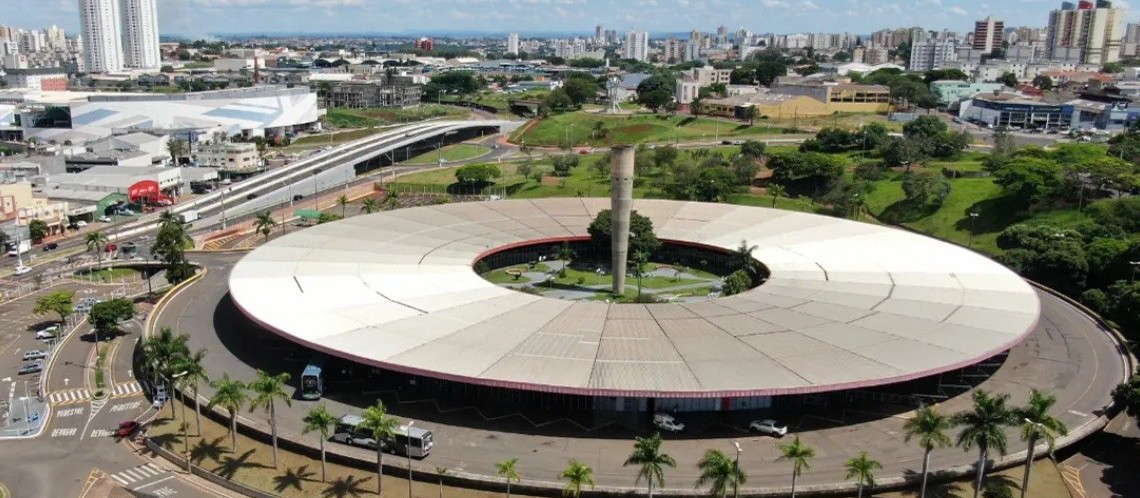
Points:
[1067,354]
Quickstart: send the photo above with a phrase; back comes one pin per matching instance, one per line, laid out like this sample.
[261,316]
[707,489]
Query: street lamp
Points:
[408,451]
[440,148]
[1134,265]
[316,204]
[1025,480]
[736,463]
[224,191]
[973,216]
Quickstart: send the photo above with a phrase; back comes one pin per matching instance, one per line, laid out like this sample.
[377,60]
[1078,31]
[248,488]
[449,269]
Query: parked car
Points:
[22,270]
[47,333]
[769,427]
[666,422]
[297,197]
[51,246]
[81,223]
[34,354]
[126,428]
[251,197]
[104,219]
[160,395]
[33,367]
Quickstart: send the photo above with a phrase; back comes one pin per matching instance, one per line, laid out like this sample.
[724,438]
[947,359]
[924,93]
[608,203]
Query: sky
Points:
[195,18]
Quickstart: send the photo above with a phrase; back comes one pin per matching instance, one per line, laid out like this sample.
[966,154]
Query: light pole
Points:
[736,463]
[973,216]
[440,148]
[316,204]
[1134,265]
[408,451]
[224,191]
[1038,429]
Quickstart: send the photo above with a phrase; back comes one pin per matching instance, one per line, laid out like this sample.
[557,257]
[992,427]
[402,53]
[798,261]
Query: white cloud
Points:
[956,10]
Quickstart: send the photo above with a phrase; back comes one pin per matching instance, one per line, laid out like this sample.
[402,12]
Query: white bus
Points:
[406,441]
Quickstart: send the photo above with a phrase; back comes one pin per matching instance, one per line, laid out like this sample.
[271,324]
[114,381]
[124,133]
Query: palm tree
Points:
[193,373]
[722,472]
[177,148]
[930,428]
[97,242]
[264,224]
[163,353]
[391,199]
[800,455]
[984,427]
[377,422]
[745,261]
[776,191]
[231,396]
[369,206]
[507,469]
[647,454]
[863,469]
[440,471]
[576,474]
[319,420]
[267,389]
[1038,423]
[342,201]
[751,113]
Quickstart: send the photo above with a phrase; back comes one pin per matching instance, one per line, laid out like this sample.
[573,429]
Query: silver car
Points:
[33,367]
[34,354]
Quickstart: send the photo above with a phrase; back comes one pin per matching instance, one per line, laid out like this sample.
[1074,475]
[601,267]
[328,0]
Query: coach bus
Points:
[405,441]
[313,379]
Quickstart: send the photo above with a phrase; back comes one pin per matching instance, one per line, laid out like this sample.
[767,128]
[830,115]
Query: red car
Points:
[127,428]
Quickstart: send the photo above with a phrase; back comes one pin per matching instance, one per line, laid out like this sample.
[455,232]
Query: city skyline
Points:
[201,18]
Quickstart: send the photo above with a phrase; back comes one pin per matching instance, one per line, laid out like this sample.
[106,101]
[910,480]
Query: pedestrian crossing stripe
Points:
[132,475]
[126,389]
[69,396]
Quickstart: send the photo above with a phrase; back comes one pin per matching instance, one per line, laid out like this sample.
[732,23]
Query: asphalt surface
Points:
[1066,354]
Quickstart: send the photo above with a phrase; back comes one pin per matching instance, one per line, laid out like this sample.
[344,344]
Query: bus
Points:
[405,441]
[313,379]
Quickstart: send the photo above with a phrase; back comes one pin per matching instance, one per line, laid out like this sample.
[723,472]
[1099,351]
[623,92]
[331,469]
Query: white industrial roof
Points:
[848,304]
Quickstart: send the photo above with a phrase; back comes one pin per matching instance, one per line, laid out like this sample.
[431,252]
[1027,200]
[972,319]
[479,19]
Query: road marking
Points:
[69,412]
[101,433]
[69,396]
[126,406]
[64,432]
[1079,414]
[144,471]
[164,479]
[126,389]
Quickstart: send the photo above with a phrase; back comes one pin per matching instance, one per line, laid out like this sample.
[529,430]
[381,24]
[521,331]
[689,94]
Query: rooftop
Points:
[848,304]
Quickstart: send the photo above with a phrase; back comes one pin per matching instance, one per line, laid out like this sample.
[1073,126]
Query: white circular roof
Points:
[848,304]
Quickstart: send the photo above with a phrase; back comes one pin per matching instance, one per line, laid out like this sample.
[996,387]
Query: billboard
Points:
[146,189]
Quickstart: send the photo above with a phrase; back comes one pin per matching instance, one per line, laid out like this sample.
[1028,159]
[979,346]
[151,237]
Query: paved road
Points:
[1066,354]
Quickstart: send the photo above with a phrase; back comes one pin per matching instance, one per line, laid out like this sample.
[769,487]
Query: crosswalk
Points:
[82,395]
[136,474]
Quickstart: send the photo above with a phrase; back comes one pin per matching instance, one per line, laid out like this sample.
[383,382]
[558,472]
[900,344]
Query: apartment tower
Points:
[140,34]
[988,34]
[102,35]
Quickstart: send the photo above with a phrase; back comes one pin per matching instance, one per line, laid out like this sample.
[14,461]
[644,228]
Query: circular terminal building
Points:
[848,307]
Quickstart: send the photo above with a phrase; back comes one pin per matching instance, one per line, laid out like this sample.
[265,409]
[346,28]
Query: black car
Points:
[51,246]
[298,197]
[251,197]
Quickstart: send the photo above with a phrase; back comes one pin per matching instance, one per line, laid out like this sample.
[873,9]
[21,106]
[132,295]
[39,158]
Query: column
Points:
[621,204]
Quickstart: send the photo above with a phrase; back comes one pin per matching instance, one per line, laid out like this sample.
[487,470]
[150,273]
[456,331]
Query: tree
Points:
[929,427]
[925,128]
[1043,82]
[105,316]
[925,188]
[59,302]
[380,426]
[655,91]
[753,149]
[736,283]
[231,396]
[1008,79]
[776,190]
[647,455]
[872,135]
[720,473]
[267,389]
[800,455]
[477,175]
[564,163]
[37,230]
[193,372]
[177,147]
[751,113]
[342,201]
[508,470]
[984,427]
[97,242]
[558,99]
[900,152]
[264,223]
[369,206]
[1029,179]
[767,71]
[641,239]
[665,156]
[1037,423]
[805,171]
[1127,394]
[581,90]
[743,260]
[862,469]
[319,420]
[576,474]
[170,248]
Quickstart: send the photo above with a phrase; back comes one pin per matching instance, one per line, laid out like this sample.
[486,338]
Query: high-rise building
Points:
[637,45]
[140,34]
[988,34]
[1088,33]
[513,44]
[931,53]
[102,35]
[56,38]
[599,35]
[722,35]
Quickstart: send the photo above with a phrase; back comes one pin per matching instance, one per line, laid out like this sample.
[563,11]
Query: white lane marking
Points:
[164,479]
[64,432]
[126,406]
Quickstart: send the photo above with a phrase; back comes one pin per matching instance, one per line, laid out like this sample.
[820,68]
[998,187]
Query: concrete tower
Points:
[621,205]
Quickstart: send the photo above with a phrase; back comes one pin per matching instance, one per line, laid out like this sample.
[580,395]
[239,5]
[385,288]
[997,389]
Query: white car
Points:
[47,333]
[666,422]
[159,395]
[769,427]
[23,270]
[81,223]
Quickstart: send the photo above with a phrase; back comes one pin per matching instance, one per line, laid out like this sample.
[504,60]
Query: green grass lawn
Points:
[578,127]
[333,139]
[110,275]
[364,118]
[454,152]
